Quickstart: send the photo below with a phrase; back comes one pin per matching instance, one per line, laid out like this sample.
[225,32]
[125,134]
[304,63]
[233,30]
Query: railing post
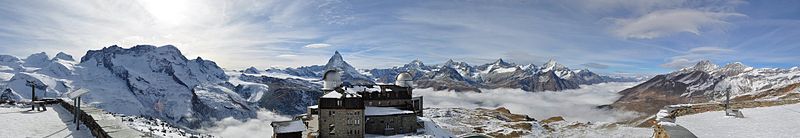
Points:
[75,109]
[77,119]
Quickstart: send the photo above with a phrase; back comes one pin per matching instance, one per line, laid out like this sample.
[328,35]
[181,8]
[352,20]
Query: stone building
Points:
[356,111]
[288,129]
[341,115]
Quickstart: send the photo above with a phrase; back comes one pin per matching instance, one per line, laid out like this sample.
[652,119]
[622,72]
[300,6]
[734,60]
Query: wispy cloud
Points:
[694,55]
[595,65]
[319,45]
[666,22]
[581,103]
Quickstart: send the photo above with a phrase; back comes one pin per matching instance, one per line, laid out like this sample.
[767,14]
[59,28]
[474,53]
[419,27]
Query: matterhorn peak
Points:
[336,55]
[337,62]
[336,59]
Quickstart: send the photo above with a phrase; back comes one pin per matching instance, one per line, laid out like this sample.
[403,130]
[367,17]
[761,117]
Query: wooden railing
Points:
[86,119]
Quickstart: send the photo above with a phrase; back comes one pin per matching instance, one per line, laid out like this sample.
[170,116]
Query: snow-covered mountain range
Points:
[705,82]
[161,82]
[461,76]
[157,82]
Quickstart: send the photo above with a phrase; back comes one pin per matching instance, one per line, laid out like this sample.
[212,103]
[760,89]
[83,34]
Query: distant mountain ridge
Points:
[461,76]
[707,82]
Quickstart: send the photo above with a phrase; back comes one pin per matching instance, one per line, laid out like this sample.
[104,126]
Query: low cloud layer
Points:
[573,105]
[253,128]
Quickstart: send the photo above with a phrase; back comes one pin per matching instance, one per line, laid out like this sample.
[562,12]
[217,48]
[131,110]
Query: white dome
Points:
[404,80]
[331,80]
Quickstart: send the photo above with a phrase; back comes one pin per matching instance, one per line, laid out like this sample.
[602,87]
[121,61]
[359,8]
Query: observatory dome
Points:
[331,80]
[404,80]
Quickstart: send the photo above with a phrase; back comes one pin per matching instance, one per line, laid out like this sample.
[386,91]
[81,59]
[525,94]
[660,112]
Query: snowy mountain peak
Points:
[252,70]
[337,62]
[530,67]
[704,65]
[733,69]
[37,60]
[449,62]
[416,64]
[736,65]
[63,56]
[337,56]
[552,65]
[581,71]
[349,73]
[500,62]
[9,59]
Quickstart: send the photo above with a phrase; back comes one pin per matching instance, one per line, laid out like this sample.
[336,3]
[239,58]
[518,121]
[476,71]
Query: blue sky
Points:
[607,36]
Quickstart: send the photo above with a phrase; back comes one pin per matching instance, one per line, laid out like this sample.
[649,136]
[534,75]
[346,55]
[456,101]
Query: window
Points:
[332,130]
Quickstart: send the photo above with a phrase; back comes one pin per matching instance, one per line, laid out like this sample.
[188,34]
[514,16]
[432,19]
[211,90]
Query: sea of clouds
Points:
[258,127]
[574,105]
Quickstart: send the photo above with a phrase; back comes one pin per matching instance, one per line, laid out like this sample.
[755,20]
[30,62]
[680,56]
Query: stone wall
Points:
[347,123]
[392,124]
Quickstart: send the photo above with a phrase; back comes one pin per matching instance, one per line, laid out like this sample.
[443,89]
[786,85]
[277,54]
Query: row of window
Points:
[332,113]
[349,132]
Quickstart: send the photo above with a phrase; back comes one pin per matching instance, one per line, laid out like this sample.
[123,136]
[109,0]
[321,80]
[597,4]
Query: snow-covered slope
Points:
[707,82]
[164,83]
[285,96]
[763,122]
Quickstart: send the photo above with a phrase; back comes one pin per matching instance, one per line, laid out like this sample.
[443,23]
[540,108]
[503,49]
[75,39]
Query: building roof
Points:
[337,95]
[333,94]
[289,126]
[356,89]
[380,111]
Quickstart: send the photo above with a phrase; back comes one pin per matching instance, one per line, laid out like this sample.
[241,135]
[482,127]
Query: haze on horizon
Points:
[606,36]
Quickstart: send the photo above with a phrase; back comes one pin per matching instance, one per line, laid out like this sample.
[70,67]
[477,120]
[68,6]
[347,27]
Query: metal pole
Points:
[33,95]
[78,125]
[75,104]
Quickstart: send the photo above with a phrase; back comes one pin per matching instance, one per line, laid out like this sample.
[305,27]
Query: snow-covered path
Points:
[55,122]
[764,122]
